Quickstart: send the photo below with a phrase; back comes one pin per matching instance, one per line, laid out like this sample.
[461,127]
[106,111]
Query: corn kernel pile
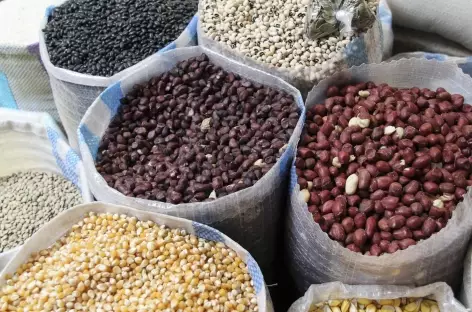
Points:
[384,305]
[111,262]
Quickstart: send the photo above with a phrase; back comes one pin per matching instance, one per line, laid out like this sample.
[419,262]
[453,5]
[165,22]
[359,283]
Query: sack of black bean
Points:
[40,176]
[379,185]
[271,36]
[87,45]
[337,296]
[139,260]
[197,136]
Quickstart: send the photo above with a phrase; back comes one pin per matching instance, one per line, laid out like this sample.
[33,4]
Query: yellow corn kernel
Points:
[397,302]
[387,308]
[412,307]
[434,307]
[364,301]
[334,303]
[371,308]
[345,306]
[386,301]
[425,307]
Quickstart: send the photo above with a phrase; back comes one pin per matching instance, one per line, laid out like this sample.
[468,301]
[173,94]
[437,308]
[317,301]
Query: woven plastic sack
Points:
[24,83]
[449,19]
[250,216]
[369,47]
[440,292]
[464,63]
[61,224]
[74,92]
[33,141]
[466,290]
[315,258]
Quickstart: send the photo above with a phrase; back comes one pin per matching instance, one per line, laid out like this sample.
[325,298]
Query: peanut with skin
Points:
[400,158]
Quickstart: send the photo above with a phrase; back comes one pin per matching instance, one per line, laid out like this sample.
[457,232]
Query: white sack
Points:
[315,258]
[450,19]
[370,47]
[251,216]
[466,291]
[60,226]
[74,92]
[441,292]
[24,83]
[33,141]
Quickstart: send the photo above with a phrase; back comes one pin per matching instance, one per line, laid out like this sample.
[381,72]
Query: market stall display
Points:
[166,157]
[383,172]
[138,260]
[271,36]
[340,297]
[39,176]
[119,35]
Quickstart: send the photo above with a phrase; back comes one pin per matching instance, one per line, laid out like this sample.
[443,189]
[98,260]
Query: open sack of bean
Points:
[271,36]
[197,136]
[40,176]
[102,257]
[379,185]
[339,297]
[88,45]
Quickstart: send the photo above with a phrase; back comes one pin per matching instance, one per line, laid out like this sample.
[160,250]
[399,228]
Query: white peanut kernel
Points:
[400,132]
[351,184]
[364,93]
[336,162]
[389,130]
[305,195]
[356,121]
[438,203]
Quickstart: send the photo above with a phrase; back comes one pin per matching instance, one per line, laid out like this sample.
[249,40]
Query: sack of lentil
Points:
[40,175]
[270,36]
[383,177]
[209,163]
[88,45]
[337,296]
[156,253]
[24,83]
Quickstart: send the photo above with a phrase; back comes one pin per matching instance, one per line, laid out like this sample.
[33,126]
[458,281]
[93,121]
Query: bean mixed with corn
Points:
[382,305]
[111,262]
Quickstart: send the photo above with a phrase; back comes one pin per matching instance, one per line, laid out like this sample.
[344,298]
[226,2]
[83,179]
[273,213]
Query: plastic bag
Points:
[440,292]
[33,141]
[250,216]
[60,225]
[315,258]
[370,47]
[326,17]
[74,92]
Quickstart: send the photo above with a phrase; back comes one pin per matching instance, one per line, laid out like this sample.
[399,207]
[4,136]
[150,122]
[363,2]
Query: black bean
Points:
[119,34]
